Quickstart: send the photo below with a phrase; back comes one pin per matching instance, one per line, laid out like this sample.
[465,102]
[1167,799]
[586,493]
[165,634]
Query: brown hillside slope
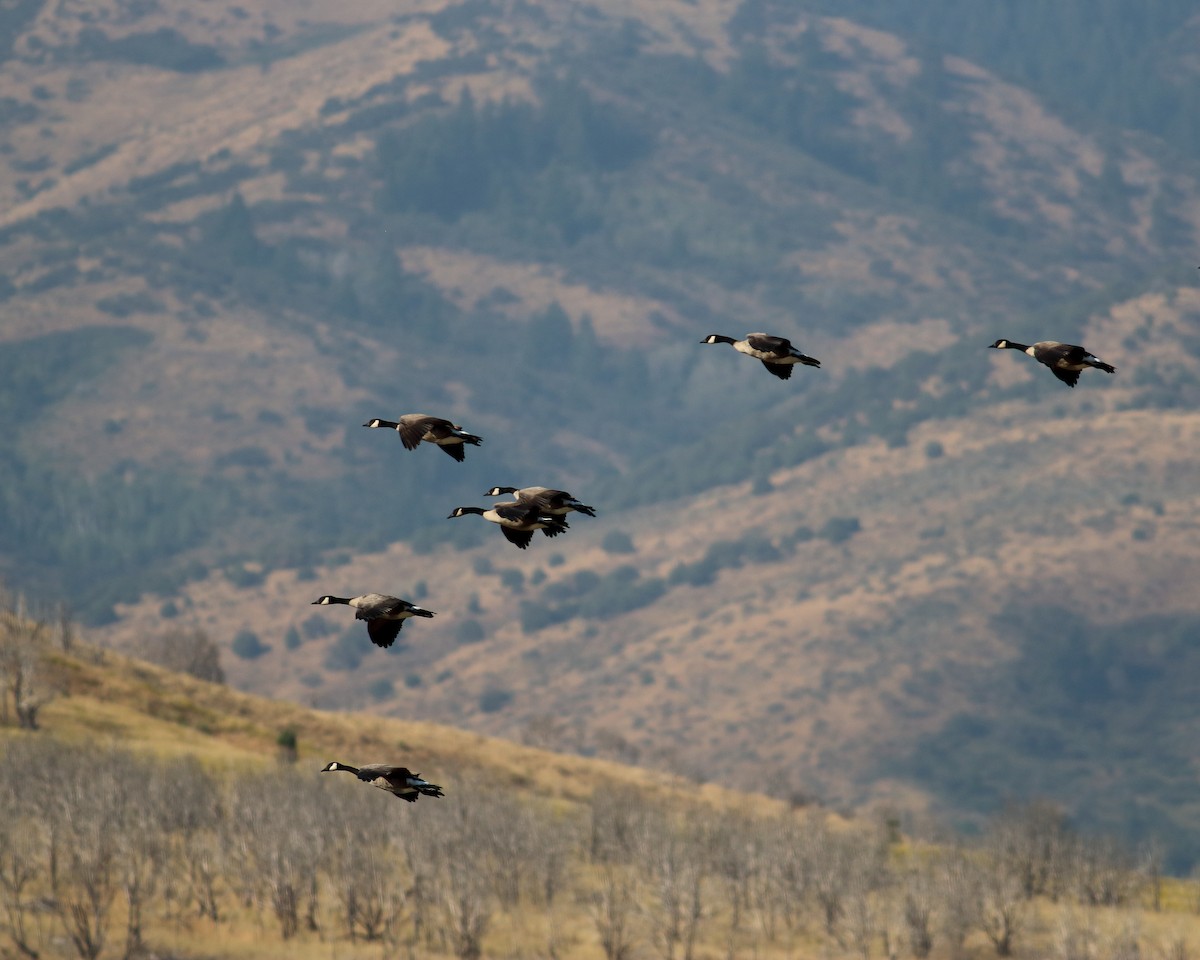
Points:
[108,698]
[107,126]
[817,664]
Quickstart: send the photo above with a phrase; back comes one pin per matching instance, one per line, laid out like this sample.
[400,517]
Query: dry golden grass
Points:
[145,708]
[112,699]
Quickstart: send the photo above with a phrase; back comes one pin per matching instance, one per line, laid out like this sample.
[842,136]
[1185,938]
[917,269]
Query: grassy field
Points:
[734,846]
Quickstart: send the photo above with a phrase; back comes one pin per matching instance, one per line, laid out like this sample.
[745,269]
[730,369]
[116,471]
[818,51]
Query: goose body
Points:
[555,502]
[1065,360]
[399,781]
[384,615]
[415,427]
[776,353]
[518,520]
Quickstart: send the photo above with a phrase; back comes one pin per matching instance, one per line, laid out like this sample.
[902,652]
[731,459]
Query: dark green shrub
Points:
[241,576]
[289,748]
[248,646]
[839,529]
[124,304]
[617,541]
[494,699]
[348,650]
[316,627]
[513,580]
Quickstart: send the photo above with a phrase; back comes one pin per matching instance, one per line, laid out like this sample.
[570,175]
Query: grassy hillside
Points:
[168,806]
[229,238]
[138,706]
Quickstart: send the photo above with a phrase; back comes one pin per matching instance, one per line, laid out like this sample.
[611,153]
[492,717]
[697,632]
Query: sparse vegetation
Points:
[851,186]
[297,857]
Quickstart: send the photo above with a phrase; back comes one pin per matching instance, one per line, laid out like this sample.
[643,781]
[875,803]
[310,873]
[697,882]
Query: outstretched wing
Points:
[517,511]
[779,346]
[412,430]
[383,633]
[1069,377]
[782,370]
[520,537]
[554,525]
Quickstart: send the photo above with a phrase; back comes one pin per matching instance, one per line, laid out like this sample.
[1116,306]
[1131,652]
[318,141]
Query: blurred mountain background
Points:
[926,574]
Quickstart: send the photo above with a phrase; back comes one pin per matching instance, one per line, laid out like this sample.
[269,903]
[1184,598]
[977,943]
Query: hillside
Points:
[229,237]
[131,704]
[177,815]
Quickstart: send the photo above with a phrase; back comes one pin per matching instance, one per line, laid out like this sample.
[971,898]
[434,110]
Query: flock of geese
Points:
[545,509]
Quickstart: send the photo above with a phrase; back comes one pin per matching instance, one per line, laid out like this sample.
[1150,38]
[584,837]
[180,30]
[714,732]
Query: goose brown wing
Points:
[375,605]
[389,607]
[517,511]
[413,428]
[1069,377]
[782,370]
[779,346]
[520,537]
[383,633]
[388,771]
[543,497]
[437,429]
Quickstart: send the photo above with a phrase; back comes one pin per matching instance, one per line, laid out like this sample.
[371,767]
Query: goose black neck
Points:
[1013,345]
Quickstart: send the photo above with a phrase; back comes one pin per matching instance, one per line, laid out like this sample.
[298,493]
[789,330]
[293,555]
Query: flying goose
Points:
[518,520]
[777,353]
[384,615]
[555,502]
[415,427]
[1065,360]
[399,781]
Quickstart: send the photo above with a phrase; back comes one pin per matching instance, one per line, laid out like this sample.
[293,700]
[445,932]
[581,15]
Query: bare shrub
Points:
[28,678]
[183,650]
[613,907]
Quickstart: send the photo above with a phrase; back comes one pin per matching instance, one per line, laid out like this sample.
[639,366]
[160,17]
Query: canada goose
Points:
[384,615]
[555,502]
[415,427]
[517,520]
[399,781]
[1065,360]
[776,353]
